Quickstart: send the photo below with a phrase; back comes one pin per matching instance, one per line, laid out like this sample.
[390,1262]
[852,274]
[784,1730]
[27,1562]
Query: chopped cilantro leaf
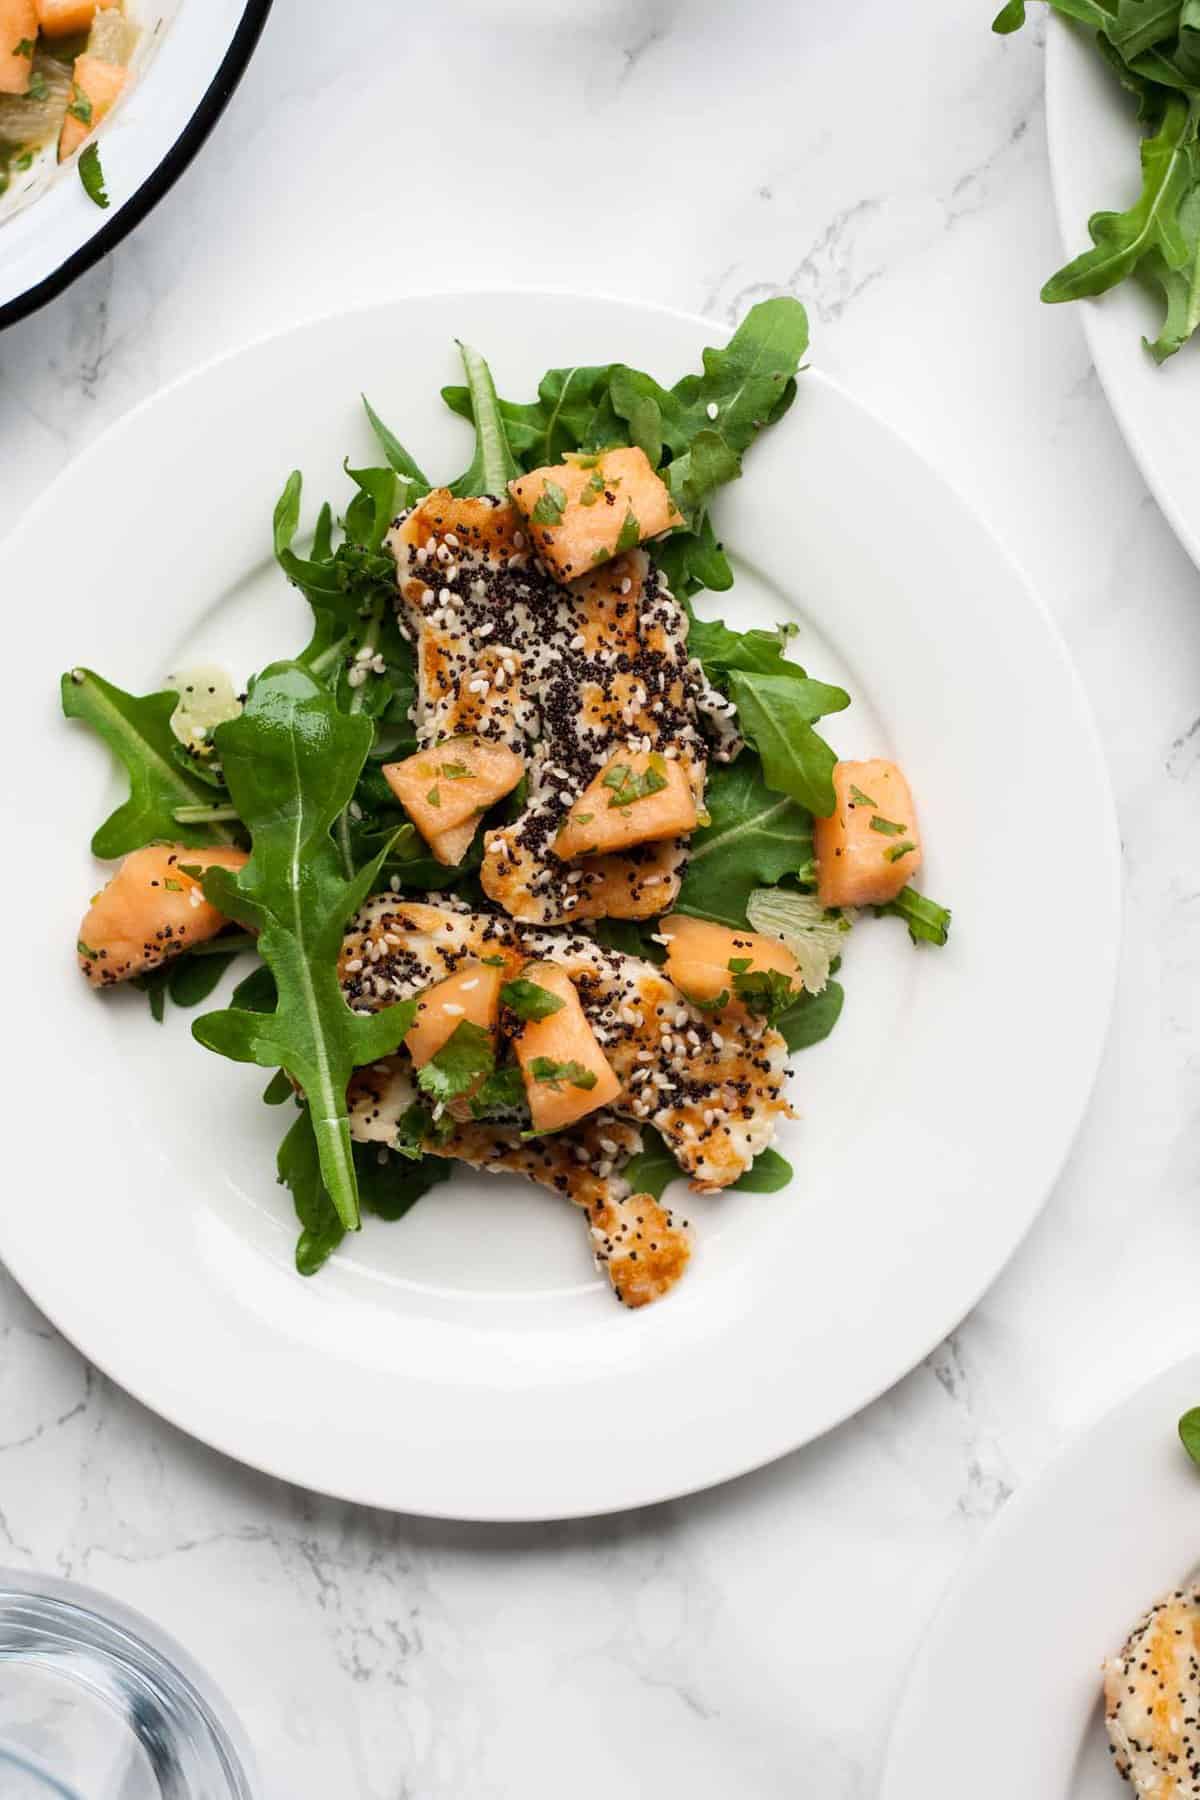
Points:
[463,1058]
[544,1068]
[551,505]
[628,786]
[631,532]
[529,1001]
[92,175]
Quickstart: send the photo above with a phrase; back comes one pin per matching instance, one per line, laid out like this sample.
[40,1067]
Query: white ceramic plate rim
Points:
[588,1480]
[147,144]
[1111,1524]
[1153,407]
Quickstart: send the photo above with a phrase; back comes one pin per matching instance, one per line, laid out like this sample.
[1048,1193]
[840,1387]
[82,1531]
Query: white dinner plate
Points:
[469,1361]
[190,56]
[1004,1696]
[1093,137]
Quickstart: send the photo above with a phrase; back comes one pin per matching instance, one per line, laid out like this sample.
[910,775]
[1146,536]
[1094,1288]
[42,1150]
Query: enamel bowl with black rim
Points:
[468,1360]
[189,58]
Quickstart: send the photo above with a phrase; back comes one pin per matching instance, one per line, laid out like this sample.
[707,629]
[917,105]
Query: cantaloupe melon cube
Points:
[869,847]
[471,993]
[63,18]
[704,960]
[151,910]
[586,510]
[93,92]
[638,797]
[18,35]
[567,1074]
[451,786]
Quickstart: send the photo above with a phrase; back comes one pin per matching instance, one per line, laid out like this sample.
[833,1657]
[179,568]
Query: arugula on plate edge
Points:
[1154,51]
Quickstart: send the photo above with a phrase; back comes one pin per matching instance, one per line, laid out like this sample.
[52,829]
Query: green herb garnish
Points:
[630,534]
[553,1074]
[551,505]
[529,1001]
[629,786]
[463,1058]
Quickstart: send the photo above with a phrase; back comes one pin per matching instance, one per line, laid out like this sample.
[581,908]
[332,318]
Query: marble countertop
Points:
[893,176]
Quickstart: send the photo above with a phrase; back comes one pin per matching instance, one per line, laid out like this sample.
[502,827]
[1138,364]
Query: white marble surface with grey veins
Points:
[887,164]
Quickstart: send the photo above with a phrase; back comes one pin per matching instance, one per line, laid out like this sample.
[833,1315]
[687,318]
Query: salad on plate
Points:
[543,870]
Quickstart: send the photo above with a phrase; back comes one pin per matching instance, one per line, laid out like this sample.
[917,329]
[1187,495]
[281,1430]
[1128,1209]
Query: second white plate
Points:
[1007,1685]
[1093,138]
[468,1361]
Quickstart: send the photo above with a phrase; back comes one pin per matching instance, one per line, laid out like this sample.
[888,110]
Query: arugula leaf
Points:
[138,731]
[392,448]
[388,1189]
[463,1058]
[776,715]
[92,176]
[1189,1433]
[1153,47]
[753,839]
[493,466]
[767,1174]
[653,1168]
[811,1017]
[292,761]
[528,1000]
[928,923]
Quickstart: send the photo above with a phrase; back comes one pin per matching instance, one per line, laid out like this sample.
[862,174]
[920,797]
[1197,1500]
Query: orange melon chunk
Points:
[699,955]
[589,509]
[96,87]
[150,911]
[564,1041]
[452,785]
[869,847]
[637,798]
[471,993]
[18,34]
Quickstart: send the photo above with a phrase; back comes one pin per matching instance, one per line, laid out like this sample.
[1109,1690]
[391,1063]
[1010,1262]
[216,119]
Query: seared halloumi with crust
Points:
[1152,1700]
[638,1243]
[564,676]
[714,1095]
